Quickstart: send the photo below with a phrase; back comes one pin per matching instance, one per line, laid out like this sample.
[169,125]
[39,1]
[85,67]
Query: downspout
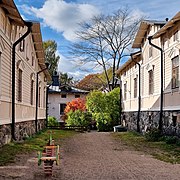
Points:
[28,24]
[139,95]
[47,95]
[161,96]
[37,91]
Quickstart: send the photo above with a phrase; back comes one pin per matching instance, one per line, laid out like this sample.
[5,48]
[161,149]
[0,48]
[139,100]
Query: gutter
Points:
[161,96]
[47,95]
[28,24]
[139,96]
[37,91]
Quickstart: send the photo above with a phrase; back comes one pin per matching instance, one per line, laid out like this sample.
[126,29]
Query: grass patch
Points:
[160,150]
[35,143]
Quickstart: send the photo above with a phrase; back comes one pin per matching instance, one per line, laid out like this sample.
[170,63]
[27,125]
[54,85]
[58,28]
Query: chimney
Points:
[167,19]
[55,79]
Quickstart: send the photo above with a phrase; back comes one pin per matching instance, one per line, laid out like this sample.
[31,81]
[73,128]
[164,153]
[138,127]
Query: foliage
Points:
[75,104]
[105,39]
[50,48]
[153,135]
[91,82]
[36,143]
[65,79]
[52,121]
[105,108]
[172,140]
[103,121]
[78,118]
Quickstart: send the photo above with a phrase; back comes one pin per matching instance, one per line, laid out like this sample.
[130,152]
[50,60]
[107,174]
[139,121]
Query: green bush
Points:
[78,118]
[105,108]
[52,121]
[103,121]
[172,140]
[153,135]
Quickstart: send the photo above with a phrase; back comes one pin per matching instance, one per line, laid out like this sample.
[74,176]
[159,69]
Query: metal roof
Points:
[168,25]
[62,90]
[144,25]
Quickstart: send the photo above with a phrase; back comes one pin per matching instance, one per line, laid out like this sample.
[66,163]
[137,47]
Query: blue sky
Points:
[59,20]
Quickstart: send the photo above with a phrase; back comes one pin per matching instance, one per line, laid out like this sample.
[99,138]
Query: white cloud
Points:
[64,17]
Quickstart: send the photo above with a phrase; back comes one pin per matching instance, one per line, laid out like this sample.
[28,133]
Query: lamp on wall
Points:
[37,87]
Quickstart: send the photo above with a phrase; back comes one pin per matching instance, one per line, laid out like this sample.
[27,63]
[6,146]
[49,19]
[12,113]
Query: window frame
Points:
[32,92]
[19,95]
[125,90]
[62,106]
[151,81]
[63,96]
[135,87]
[175,84]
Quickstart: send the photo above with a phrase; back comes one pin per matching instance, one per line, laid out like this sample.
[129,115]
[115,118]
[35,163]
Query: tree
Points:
[105,108]
[90,82]
[65,79]
[50,48]
[105,39]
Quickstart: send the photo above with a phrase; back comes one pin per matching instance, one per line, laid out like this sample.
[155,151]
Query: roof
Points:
[12,12]
[142,31]
[168,25]
[38,46]
[129,62]
[66,89]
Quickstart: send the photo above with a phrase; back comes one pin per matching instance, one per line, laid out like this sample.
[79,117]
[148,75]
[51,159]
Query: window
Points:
[44,102]
[63,95]
[151,82]
[135,87]
[32,91]
[150,51]
[22,44]
[39,97]
[175,36]
[175,72]
[0,72]
[19,97]
[62,107]
[77,96]
[32,61]
[125,90]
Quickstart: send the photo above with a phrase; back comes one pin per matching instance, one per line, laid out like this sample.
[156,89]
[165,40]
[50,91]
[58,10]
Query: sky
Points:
[59,20]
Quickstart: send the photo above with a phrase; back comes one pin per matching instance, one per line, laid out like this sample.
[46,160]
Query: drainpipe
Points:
[37,86]
[139,96]
[28,24]
[47,94]
[161,96]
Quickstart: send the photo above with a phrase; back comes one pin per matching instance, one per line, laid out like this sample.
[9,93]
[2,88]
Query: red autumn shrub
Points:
[76,104]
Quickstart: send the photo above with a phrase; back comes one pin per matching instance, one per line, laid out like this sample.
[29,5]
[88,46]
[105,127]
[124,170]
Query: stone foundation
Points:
[22,130]
[150,119]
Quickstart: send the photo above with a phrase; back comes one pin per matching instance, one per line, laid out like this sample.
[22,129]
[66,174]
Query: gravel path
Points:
[95,156]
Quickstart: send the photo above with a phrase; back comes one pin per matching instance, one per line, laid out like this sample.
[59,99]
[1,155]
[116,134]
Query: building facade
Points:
[150,78]
[21,57]
[60,95]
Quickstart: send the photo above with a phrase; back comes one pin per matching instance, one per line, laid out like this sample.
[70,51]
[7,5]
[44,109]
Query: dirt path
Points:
[96,156]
